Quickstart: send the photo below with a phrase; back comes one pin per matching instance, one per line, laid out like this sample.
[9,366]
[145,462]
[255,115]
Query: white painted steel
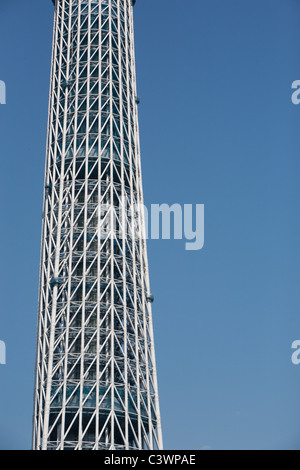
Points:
[96,382]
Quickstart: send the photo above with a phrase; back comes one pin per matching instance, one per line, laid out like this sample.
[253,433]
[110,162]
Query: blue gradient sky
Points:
[217,128]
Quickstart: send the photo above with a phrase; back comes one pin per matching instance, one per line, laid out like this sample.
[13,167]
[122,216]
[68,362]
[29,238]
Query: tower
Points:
[96,384]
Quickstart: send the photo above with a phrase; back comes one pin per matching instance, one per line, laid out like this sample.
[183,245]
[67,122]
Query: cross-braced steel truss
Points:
[96,385]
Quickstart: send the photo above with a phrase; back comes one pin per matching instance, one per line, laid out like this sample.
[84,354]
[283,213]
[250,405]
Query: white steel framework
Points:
[96,384]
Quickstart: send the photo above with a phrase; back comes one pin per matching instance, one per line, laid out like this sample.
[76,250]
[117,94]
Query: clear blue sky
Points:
[217,128]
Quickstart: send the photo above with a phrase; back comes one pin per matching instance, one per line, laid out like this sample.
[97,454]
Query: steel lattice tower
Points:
[96,384]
